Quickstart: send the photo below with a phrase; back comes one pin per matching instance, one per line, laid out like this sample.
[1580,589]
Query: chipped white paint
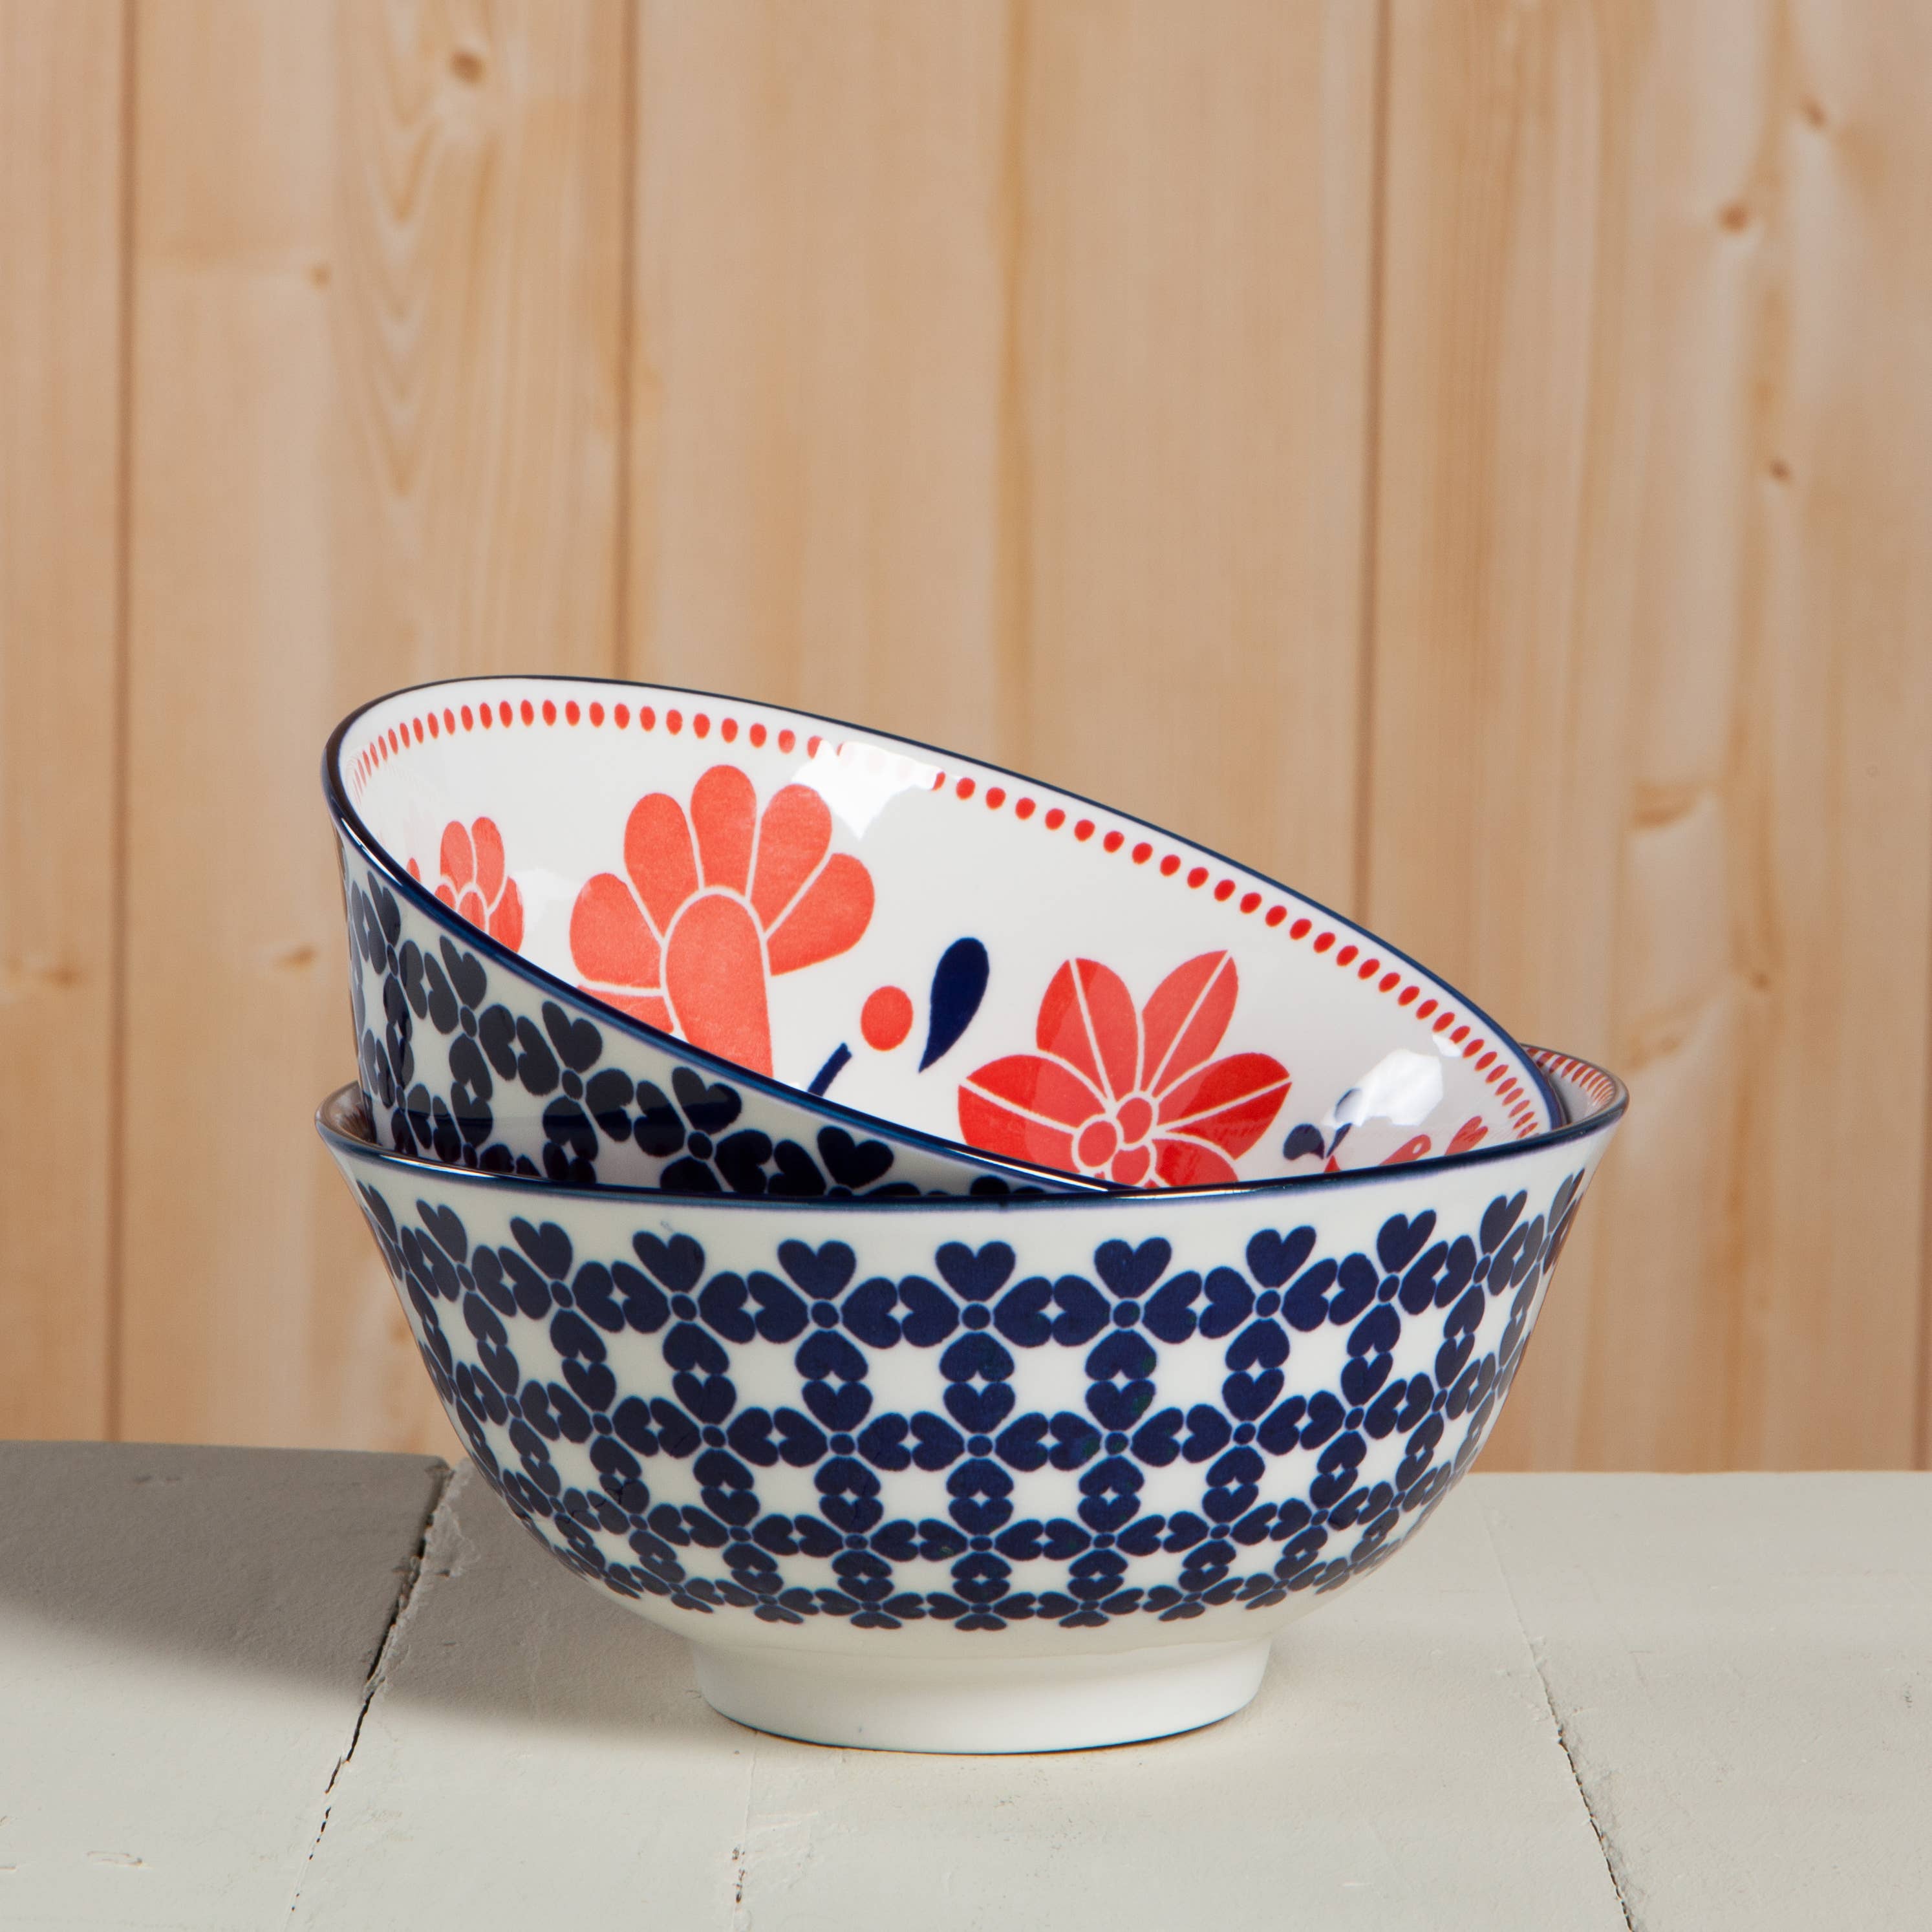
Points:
[185,1638]
[1579,1703]
[1743,1667]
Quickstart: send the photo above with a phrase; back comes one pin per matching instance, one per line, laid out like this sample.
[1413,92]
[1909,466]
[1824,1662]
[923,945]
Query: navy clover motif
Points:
[574,1455]
[691,1130]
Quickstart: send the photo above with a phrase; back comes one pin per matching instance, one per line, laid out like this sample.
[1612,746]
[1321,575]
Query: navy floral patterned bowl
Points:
[612,933]
[978,1475]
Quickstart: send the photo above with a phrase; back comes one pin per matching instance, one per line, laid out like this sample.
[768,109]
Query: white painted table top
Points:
[230,1697]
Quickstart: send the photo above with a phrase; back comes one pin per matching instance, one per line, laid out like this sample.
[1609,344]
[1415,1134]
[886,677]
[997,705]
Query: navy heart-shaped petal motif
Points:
[1207,1433]
[736,1509]
[800,1444]
[781,1315]
[447,1226]
[1157,1441]
[467,978]
[1249,1398]
[677,1435]
[840,1409]
[1261,1345]
[1361,1379]
[978,1410]
[821,1272]
[1230,1302]
[1357,1281]
[1498,1217]
[708,1399]
[1130,1272]
[975,1274]
[883,1445]
[1450,1357]
[1273,1257]
[722,1306]
[981,1519]
[688,1346]
[1401,1239]
[710,1109]
[868,1312]
[1119,1405]
[939,1445]
[536,1065]
[854,1515]
[750,1436]
[1170,1314]
[798,1178]
[547,1247]
[827,1354]
[930,1315]
[1075,1441]
[1303,1140]
[1063,1540]
[853,1164]
[1083,1311]
[1022,1444]
[571,1336]
[677,1263]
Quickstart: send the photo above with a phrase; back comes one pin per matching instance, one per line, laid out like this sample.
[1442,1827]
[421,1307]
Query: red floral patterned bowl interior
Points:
[932,940]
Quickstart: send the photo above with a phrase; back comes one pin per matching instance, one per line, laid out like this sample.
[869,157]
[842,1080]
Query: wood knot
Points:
[466,64]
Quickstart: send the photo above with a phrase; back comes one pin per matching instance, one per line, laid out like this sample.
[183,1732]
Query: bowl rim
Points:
[349,820]
[335,1106]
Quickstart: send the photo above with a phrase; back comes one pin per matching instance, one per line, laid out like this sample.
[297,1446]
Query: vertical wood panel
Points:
[1653,688]
[61,104]
[817,358]
[378,298]
[1193,267]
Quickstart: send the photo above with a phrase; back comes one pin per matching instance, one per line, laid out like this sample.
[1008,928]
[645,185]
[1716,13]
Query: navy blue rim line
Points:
[1574,1134]
[340,806]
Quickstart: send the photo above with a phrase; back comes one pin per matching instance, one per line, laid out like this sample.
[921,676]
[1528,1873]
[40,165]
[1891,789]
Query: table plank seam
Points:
[405,1595]
[1611,1861]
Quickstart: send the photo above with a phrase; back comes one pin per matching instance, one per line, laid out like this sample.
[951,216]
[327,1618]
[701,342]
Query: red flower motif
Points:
[473,882]
[685,940]
[1127,1095]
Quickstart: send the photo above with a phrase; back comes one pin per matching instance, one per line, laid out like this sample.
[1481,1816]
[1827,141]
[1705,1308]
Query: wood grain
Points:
[1193,271]
[1652,688]
[377,419]
[818,356]
[1467,457]
[966,404]
[61,180]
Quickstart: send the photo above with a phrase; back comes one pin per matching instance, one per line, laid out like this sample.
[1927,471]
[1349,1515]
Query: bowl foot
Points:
[982,1704]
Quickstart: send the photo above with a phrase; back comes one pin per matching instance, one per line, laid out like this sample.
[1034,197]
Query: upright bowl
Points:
[980,1475]
[618,933]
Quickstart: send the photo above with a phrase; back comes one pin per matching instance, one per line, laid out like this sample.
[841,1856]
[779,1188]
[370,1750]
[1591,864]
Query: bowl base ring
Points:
[981,1705]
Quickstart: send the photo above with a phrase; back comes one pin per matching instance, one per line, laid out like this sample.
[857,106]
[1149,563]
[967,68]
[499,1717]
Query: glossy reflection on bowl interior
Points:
[926,940]
[974,1474]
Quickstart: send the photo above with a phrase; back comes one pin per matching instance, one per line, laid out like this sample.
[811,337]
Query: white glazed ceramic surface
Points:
[980,1475]
[927,940]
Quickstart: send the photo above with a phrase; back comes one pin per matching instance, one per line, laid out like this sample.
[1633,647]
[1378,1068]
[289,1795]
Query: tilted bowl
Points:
[979,1475]
[616,933]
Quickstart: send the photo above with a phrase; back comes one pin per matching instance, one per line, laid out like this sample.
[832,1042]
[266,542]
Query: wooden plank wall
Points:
[1468,457]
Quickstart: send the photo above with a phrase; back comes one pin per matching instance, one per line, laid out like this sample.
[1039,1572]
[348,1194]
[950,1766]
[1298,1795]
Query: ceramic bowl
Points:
[980,1475]
[598,927]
